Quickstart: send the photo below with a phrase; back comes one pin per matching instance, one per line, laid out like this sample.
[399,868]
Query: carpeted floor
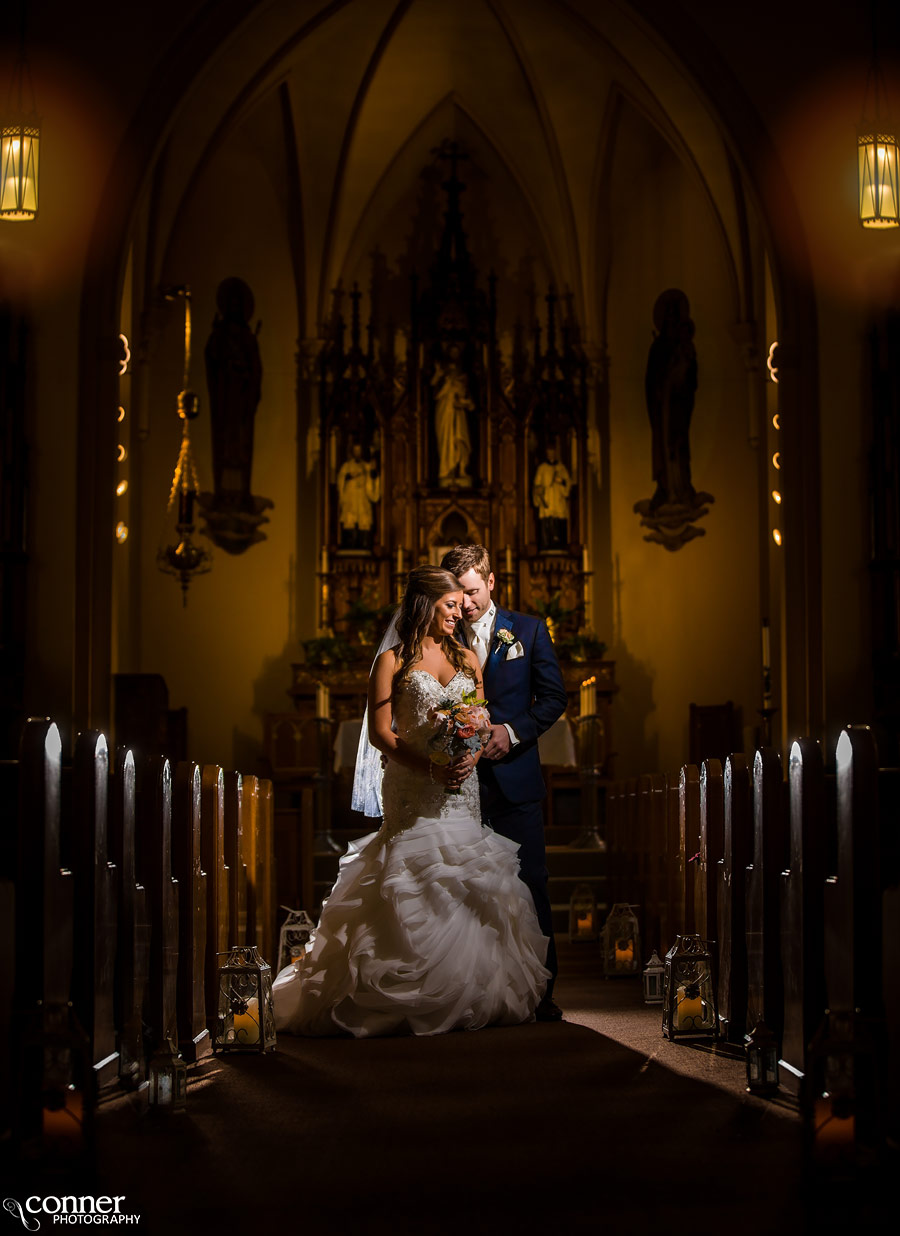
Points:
[594,1124]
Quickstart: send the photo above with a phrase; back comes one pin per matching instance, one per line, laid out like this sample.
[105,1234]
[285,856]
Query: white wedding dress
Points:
[428,927]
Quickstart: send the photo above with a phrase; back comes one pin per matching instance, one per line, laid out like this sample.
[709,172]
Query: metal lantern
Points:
[761,1048]
[621,942]
[582,913]
[246,1016]
[294,936]
[167,1075]
[689,994]
[653,980]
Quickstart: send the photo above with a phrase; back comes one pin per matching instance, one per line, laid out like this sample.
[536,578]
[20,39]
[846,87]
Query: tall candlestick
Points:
[322,701]
[399,559]
[585,560]
[766,649]
[509,560]
[324,567]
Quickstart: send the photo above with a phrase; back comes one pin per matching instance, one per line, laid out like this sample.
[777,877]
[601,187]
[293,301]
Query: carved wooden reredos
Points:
[445,437]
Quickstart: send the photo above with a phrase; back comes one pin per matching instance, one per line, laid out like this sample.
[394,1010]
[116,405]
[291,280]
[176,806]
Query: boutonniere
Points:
[506,639]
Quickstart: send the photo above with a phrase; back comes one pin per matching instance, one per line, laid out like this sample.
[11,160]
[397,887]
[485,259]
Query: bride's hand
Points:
[460,770]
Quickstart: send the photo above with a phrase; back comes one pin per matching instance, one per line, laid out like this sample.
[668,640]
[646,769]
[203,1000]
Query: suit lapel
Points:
[496,651]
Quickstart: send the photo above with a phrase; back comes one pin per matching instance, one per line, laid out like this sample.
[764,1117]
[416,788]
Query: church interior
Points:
[295,296]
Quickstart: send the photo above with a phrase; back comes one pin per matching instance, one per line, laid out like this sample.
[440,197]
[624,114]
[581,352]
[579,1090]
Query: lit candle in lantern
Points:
[509,560]
[832,1133]
[62,1127]
[584,924]
[246,1025]
[690,1011]
[624,954]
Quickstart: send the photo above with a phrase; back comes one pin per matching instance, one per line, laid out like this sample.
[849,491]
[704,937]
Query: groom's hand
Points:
[498,744]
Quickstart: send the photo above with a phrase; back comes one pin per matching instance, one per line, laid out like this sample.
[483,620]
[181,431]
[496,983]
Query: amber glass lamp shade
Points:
[879,166]
[20,143]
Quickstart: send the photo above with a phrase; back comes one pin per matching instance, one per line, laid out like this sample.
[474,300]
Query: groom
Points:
[525,694]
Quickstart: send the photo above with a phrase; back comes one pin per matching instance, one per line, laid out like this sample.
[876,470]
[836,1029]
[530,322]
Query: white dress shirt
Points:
[481,633]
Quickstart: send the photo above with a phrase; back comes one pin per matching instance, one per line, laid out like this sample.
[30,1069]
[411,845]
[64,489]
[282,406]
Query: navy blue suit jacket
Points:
[527,693]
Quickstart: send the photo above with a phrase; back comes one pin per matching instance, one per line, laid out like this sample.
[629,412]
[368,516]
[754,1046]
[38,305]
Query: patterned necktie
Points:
[479,646]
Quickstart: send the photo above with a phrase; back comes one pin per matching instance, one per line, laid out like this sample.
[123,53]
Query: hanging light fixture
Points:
[877,152]
[180,556]
[20,144]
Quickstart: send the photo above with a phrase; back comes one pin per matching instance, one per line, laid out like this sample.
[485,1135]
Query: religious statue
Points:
[358,489]
[451,403]
[670,385]
[550,495]
[234,378]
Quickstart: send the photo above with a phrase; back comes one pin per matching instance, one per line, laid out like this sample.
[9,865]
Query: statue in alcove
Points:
[670,386]
[234,379]
[550,496]
[451,426]
[358,490]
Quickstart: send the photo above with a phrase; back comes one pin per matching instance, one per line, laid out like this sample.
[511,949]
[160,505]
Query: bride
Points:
[428,927]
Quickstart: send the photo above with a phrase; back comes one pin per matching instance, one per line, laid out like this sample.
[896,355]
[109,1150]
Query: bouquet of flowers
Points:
[462,725]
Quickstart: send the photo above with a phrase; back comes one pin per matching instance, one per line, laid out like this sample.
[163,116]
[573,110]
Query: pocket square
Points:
[515,650]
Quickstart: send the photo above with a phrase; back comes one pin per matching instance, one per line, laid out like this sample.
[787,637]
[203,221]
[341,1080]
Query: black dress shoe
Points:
[547,1010]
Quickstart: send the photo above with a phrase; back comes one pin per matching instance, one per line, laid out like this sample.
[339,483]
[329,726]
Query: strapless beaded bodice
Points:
[410,795]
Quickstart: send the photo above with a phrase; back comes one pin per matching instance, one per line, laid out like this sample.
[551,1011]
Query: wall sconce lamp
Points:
[877,152]
[178,555]
[20,144]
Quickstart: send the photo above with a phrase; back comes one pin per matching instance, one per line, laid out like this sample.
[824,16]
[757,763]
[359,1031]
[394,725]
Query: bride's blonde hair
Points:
[425,586]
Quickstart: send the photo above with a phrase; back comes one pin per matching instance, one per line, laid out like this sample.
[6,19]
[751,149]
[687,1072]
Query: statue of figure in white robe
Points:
[451,403]
[358,489]
[550,495]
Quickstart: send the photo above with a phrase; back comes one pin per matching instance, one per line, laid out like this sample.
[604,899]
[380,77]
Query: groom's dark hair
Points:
[464,558]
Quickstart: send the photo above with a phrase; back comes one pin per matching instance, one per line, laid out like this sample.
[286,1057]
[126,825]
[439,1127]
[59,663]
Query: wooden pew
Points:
[193,1036]
[802,912]
[155,820]
[9,784]
[636,894]
[95,908]
[731,898]
[674,859]
[267,903]
[712,839]
[133,952]
[657,911]
[234,860]
[765,987]
[251,852]
[212,839]
[54,1100]
[853,955]
[688,840]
